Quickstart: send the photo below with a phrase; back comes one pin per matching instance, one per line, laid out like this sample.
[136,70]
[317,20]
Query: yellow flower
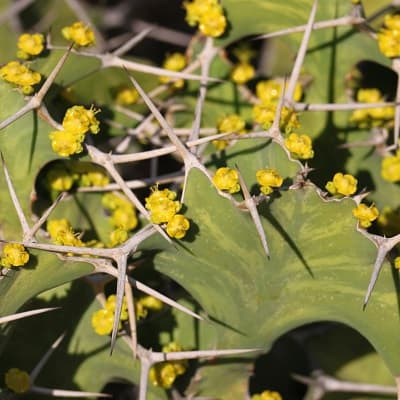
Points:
[79,120]
[342,184]
[390,168]
[111,303]
[61,233]
[174,62]
[268,179]
[66,143]
[267,395]
[30,45]
[117,237]
[228,123]
[365,215]
[242,73]
[397,262]
[60,179]
[208,14]
[79,33]
[270,90]
[17,380]
[112,201]
[124,218]
[264,114]
[389,36]
[371,117]
[226,179]
[102,321]
[20,75]
[177,226]
[162,205]
[88,174]
[14,255]
[127,96]
[164,374]
[213,23]
[300,146]
[151,303]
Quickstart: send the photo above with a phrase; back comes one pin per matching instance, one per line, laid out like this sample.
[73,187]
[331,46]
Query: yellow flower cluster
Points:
[345,185]
[20,75]
[390,168]
[208,15]
[267,395]
[14,255]
[127,96]
[264,114]
[372,117]
[30,45]
[365,215]
[270,90]
[389,36]
[17,380]
[164,374]
[61,178]
[145,304]
[226,179]
[229,123]
[268,179]
[80,34]
[61,232]
[300,146]
[76,123]
[174,62]
[397,262]
[164,210]
[123,216]
[103,320]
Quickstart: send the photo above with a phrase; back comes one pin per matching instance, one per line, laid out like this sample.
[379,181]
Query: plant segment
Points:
[261,244]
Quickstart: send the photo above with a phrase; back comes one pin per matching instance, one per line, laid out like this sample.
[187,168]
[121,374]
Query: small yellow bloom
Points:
[14,255]
[389,36]
[162,205]
[30,45]
[151,303]
[117,237]
[164,374]
[79,33]
[229,123]
[127,96]
[226,179]
[80,120]
[60,179]
[102,321]
[300,146]
[61,233]
[112,201]
[270,90]
[365,215]
[397,262]
[66,143]
[268,179]
[208,14]
[342,184]
[390,168]
[242,73]
[267,395]
[17,380]
[174,62]
[177,226]
[111,303]
[20,75]
[124,218]
[264,114]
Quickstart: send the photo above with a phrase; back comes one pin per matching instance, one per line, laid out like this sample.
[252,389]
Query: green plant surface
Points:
[312,275]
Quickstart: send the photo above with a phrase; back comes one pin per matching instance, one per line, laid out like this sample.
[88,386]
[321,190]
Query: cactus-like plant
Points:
[277,205]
